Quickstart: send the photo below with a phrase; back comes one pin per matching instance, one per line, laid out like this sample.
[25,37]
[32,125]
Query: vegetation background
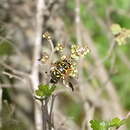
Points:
[104,78]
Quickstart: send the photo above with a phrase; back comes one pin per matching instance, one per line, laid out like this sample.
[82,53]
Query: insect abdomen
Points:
[59,71]
[55,76]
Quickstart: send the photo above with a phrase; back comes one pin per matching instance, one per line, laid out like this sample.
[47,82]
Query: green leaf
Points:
[39,93]
[105,125]
[45,90]
[99,125]
[116,122]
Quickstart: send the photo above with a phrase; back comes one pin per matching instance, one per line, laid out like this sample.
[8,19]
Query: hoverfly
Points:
[61,72]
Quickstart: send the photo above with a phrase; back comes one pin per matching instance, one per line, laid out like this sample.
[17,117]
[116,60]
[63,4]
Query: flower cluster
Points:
[77,51]
[59,47]
[74,71]
[44,58]
[47,36]
[121,34]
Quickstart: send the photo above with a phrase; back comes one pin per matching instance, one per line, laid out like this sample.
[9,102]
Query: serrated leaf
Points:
[39,93]
[43,87]
[116,122]
[99,125]
[122,122]
[105,125]
[44,90]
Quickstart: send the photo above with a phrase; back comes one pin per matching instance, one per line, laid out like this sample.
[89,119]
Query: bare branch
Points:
[77,21]
[12,75]
[123,58]
[35,66]
[16,72]
[52,104]
[0,106]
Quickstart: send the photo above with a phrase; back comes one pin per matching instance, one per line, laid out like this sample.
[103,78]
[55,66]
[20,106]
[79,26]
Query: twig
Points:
[80,69]
[47,114]
[77,21]
[16,72]
[6,85]
[89,114]
[123,58]
[44,114]
[52,53]
[52,49]
[128,115]
[51,108]
[110,52]
[12,75]
[0,106]
[35,67]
